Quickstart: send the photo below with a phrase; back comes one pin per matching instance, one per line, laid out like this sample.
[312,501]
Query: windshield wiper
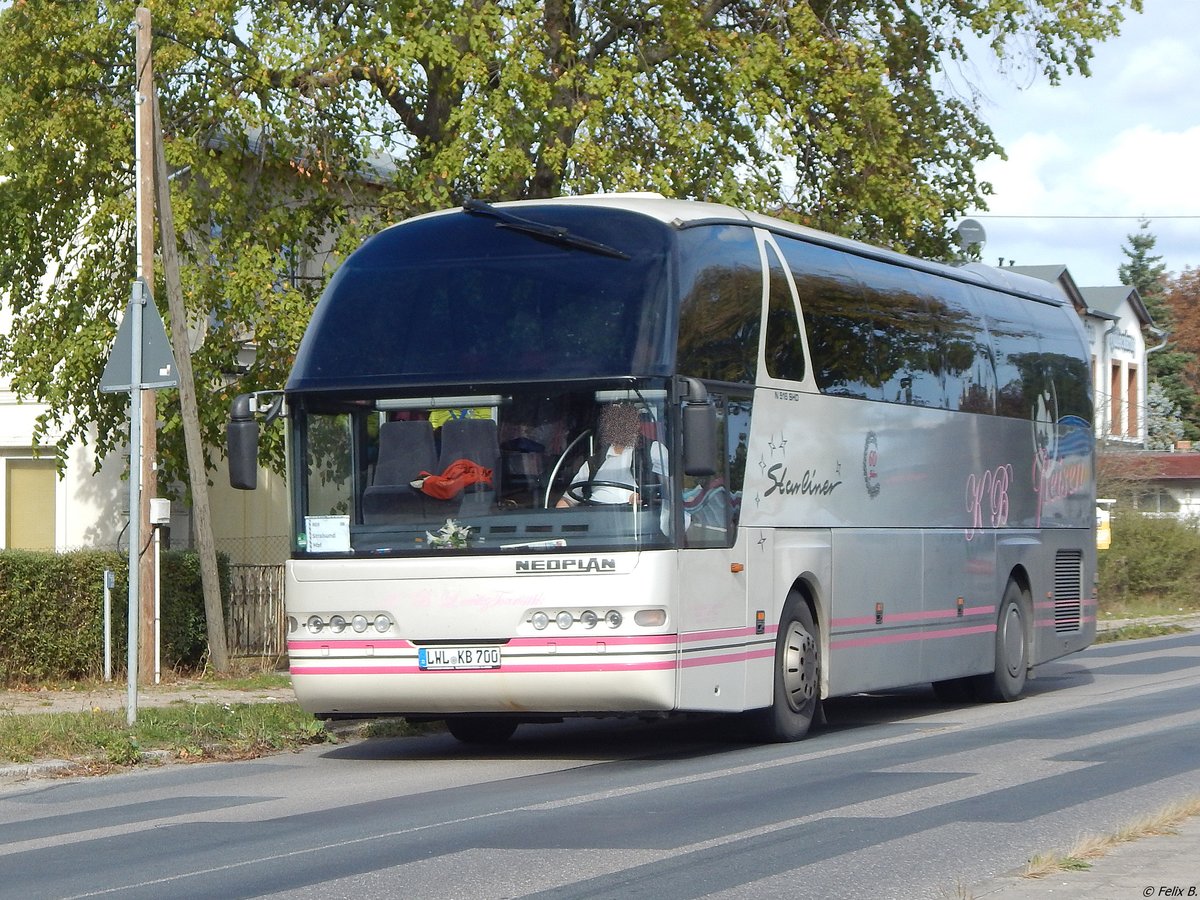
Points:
[556,234]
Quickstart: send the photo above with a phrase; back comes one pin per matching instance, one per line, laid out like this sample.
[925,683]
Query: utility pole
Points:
[145,270]
[209,578]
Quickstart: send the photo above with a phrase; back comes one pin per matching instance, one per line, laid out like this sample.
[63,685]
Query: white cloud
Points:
[1107,149]
[1150,172]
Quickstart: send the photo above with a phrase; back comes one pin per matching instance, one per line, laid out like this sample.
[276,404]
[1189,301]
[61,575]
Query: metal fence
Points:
[257,624]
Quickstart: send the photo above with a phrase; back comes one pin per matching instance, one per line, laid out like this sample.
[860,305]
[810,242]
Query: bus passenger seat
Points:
[476,440]
[405,451]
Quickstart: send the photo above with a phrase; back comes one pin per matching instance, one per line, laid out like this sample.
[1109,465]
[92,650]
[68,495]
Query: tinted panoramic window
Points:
[839,320]
[905,347]
[784,347]
[964,352]
[467,298]
[720,289]
[1017,353]
[1065,377]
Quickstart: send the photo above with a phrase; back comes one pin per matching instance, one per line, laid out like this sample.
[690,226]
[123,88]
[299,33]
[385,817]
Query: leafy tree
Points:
[1163,424]
[1182,298]
[1146,272]
[1170,366]
[288,122]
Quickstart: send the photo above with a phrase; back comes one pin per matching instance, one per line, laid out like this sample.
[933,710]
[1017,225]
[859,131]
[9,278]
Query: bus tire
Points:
[797,690]
[481,729]
[1007,680]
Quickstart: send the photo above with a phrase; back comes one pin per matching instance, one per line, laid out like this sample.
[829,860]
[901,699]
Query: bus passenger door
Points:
[714,578]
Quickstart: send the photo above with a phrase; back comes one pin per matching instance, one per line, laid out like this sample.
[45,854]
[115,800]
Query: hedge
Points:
[52,609]
[1151,559]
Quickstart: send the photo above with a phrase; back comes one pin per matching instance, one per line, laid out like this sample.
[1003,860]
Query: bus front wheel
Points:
[797,691]
[1007,681]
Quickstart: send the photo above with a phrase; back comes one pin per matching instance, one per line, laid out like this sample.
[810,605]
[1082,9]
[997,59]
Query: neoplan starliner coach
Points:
[629,455]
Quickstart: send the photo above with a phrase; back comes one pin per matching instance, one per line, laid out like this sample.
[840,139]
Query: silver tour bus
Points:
[628,455]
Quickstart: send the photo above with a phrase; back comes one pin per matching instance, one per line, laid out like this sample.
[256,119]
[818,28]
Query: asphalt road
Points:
[898,796]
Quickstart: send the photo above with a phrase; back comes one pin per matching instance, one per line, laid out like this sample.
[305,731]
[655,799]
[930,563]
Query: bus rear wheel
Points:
[797,691]
[1007,681]
[481,729]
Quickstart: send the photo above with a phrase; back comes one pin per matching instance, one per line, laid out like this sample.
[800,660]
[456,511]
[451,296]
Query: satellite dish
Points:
[970,233]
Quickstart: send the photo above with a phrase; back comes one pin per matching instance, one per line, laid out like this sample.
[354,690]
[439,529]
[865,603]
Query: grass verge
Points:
[1093,846]
[100,739]
[1135,631]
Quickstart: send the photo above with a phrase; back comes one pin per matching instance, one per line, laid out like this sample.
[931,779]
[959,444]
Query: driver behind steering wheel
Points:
[611,478]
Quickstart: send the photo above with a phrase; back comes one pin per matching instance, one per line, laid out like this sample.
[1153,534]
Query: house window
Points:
[1114,399]
[1156,500]
[1131,402]
[29,504]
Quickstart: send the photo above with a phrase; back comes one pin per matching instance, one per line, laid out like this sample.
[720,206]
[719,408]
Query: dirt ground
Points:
[113,695]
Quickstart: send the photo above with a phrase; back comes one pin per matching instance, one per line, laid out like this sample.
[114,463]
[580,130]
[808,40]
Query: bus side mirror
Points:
[699,431]
[241,435]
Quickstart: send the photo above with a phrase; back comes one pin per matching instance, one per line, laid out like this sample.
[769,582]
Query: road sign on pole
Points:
[157,365]
[141,359]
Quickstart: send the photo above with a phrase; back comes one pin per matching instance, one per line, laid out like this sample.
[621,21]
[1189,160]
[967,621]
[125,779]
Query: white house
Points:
[86,506]
[42,511]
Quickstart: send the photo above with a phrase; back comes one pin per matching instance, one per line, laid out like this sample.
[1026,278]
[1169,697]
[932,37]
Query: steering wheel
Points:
[576,491]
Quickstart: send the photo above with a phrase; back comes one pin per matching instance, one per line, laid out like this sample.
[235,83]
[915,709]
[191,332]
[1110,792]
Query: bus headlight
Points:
[565,620]
[539,620]
[613,619]
[315,624]
[337,624]
[382,623]
[359,623]
[588,619]
[650,618]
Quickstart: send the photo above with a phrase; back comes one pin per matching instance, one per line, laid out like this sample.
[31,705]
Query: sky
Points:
[1087,158]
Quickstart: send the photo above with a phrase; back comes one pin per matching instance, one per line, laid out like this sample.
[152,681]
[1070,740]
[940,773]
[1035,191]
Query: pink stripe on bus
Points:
[357,644]
[694,661]
[919,616]
[591,640]
[910,636]
[724,633]
[508,669]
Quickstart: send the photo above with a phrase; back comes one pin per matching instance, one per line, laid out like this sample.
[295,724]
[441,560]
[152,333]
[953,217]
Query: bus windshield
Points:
[530,469]
[466,298]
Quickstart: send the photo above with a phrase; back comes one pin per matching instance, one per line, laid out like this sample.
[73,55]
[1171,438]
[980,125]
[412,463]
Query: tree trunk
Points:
[197,473]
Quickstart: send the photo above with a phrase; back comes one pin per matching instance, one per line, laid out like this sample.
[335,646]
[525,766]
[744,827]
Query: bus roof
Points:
[690,213]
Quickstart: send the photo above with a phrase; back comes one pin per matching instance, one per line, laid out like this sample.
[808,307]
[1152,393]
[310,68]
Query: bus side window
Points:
[1062,367]
[720,278]
[838,320]
[905,350]
[1017,356]
[964,351]
[784,350]
[713,504]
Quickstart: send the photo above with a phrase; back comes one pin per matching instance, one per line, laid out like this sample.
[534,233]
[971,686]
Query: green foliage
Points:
[196,732]
[1163,423]
[1146,272]
[1151,560]
[1138,631]
[53,609]
[295,127]
[1171,368]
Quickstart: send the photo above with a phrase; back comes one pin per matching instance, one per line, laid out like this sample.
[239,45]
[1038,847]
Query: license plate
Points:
[458,657]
